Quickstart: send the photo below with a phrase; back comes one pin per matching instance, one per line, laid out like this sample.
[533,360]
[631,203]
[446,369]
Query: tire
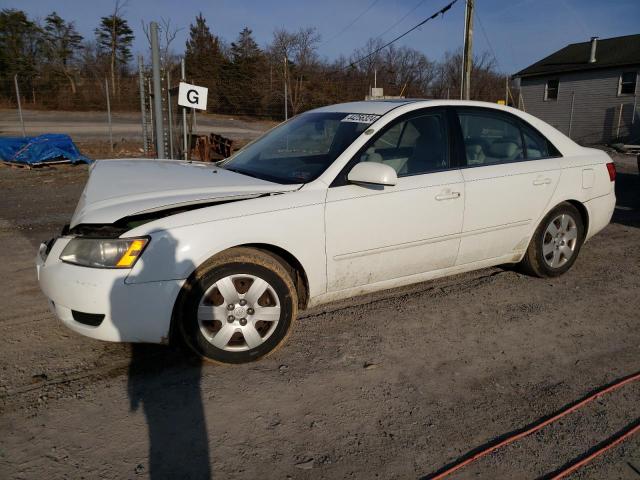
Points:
[548,254]
[238,307]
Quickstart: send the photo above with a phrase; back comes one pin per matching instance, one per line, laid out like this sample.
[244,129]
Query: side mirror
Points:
[373,173]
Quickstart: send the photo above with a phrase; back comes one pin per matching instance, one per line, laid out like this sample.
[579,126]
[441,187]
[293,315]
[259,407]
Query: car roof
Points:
[381,107]
[375,107]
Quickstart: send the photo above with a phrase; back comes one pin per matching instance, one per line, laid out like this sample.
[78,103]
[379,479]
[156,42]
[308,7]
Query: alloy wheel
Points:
[238,312]
[560,240]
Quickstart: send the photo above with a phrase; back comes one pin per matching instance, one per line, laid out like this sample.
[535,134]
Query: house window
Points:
[627,83]
[551,89]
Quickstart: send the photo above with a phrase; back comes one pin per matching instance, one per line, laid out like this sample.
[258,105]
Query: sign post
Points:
[183,77]
[193,97]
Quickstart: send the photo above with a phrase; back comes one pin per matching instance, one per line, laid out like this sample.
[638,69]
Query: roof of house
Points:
[610,52]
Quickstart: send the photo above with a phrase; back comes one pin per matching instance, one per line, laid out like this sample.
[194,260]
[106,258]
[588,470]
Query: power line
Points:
[371,5]
[486,37]
[401,20]
[439,12]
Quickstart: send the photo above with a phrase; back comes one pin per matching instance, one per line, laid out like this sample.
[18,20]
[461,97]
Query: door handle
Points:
[447,196]
[542,181]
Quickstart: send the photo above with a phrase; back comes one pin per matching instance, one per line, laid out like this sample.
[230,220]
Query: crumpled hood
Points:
[121,188]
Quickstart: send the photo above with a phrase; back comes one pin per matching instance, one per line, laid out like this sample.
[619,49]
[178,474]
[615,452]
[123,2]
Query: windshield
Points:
[299,150]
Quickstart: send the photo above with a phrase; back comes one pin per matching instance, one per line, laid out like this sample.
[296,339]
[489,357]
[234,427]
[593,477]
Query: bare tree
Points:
[300,51]
[486,82]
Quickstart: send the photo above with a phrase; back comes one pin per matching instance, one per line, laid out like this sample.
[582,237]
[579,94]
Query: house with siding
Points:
[587,90]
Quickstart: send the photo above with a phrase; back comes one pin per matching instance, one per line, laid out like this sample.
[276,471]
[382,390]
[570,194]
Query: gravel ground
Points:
[391,385]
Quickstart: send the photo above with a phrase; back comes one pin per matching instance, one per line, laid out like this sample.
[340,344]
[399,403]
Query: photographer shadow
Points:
[164,382]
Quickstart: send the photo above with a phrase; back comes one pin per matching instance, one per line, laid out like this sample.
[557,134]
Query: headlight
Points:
[104,253]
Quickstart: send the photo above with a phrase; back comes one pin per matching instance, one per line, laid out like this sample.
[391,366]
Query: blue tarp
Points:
[51,147]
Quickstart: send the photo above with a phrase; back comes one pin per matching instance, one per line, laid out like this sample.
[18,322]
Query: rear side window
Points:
[536,145]
[490,138]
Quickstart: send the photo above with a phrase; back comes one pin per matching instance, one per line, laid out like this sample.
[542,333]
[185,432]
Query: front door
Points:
[376,233]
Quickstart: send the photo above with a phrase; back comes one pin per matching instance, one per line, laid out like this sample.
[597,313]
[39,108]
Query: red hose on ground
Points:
[538,426]
[618,440]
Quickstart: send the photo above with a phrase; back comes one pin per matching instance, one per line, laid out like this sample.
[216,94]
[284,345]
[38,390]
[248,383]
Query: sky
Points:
[517,32]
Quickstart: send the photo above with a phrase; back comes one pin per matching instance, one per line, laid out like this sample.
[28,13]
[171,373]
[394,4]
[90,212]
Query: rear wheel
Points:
[555,243]
[239,307]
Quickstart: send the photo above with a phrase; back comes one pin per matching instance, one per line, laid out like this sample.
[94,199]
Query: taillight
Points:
[611,168]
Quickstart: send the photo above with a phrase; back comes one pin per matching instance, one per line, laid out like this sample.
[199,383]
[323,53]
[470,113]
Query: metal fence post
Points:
[573,95]
[152,129]
[106,89]
[15,80]
[170,120]
[143,109]
[185,148]
[157,90]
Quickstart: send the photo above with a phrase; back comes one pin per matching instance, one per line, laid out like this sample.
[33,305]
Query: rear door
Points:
[376,233]
[510,175]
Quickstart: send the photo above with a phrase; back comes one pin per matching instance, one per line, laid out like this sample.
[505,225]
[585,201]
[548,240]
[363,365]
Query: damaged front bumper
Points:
[98,303]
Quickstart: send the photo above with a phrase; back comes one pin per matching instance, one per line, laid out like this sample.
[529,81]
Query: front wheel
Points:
[239,307]
[555,243]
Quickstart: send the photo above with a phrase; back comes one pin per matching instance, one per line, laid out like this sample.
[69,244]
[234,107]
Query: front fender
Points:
[174,253]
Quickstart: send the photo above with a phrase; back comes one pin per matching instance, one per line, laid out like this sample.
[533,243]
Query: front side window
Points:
[627,83]
[412,146]
[490,138]
[551,89]
[299,150]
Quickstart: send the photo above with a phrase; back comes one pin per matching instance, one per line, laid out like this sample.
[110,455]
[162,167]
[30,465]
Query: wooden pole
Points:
[106,90]
[468,51]
[15,81]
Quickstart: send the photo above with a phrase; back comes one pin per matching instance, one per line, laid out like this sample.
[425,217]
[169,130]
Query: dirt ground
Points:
[393,385]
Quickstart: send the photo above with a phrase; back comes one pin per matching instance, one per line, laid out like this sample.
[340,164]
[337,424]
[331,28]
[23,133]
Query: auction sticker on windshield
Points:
[361,118]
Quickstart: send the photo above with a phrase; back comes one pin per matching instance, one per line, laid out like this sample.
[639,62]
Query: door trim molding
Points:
[427,241]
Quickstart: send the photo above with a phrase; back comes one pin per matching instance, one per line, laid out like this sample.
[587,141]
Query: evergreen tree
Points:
[203,58]
[114,38]
[245,50]
[62,43]
[245,86]
[20,49]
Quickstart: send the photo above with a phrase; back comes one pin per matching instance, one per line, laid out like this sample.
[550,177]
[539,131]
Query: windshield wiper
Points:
[242,172]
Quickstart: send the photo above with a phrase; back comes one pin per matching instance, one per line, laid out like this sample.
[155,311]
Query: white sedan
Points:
[336,202]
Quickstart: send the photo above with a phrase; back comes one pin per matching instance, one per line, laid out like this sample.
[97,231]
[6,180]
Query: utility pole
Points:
[467,59]
[157,90]
[286,114]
